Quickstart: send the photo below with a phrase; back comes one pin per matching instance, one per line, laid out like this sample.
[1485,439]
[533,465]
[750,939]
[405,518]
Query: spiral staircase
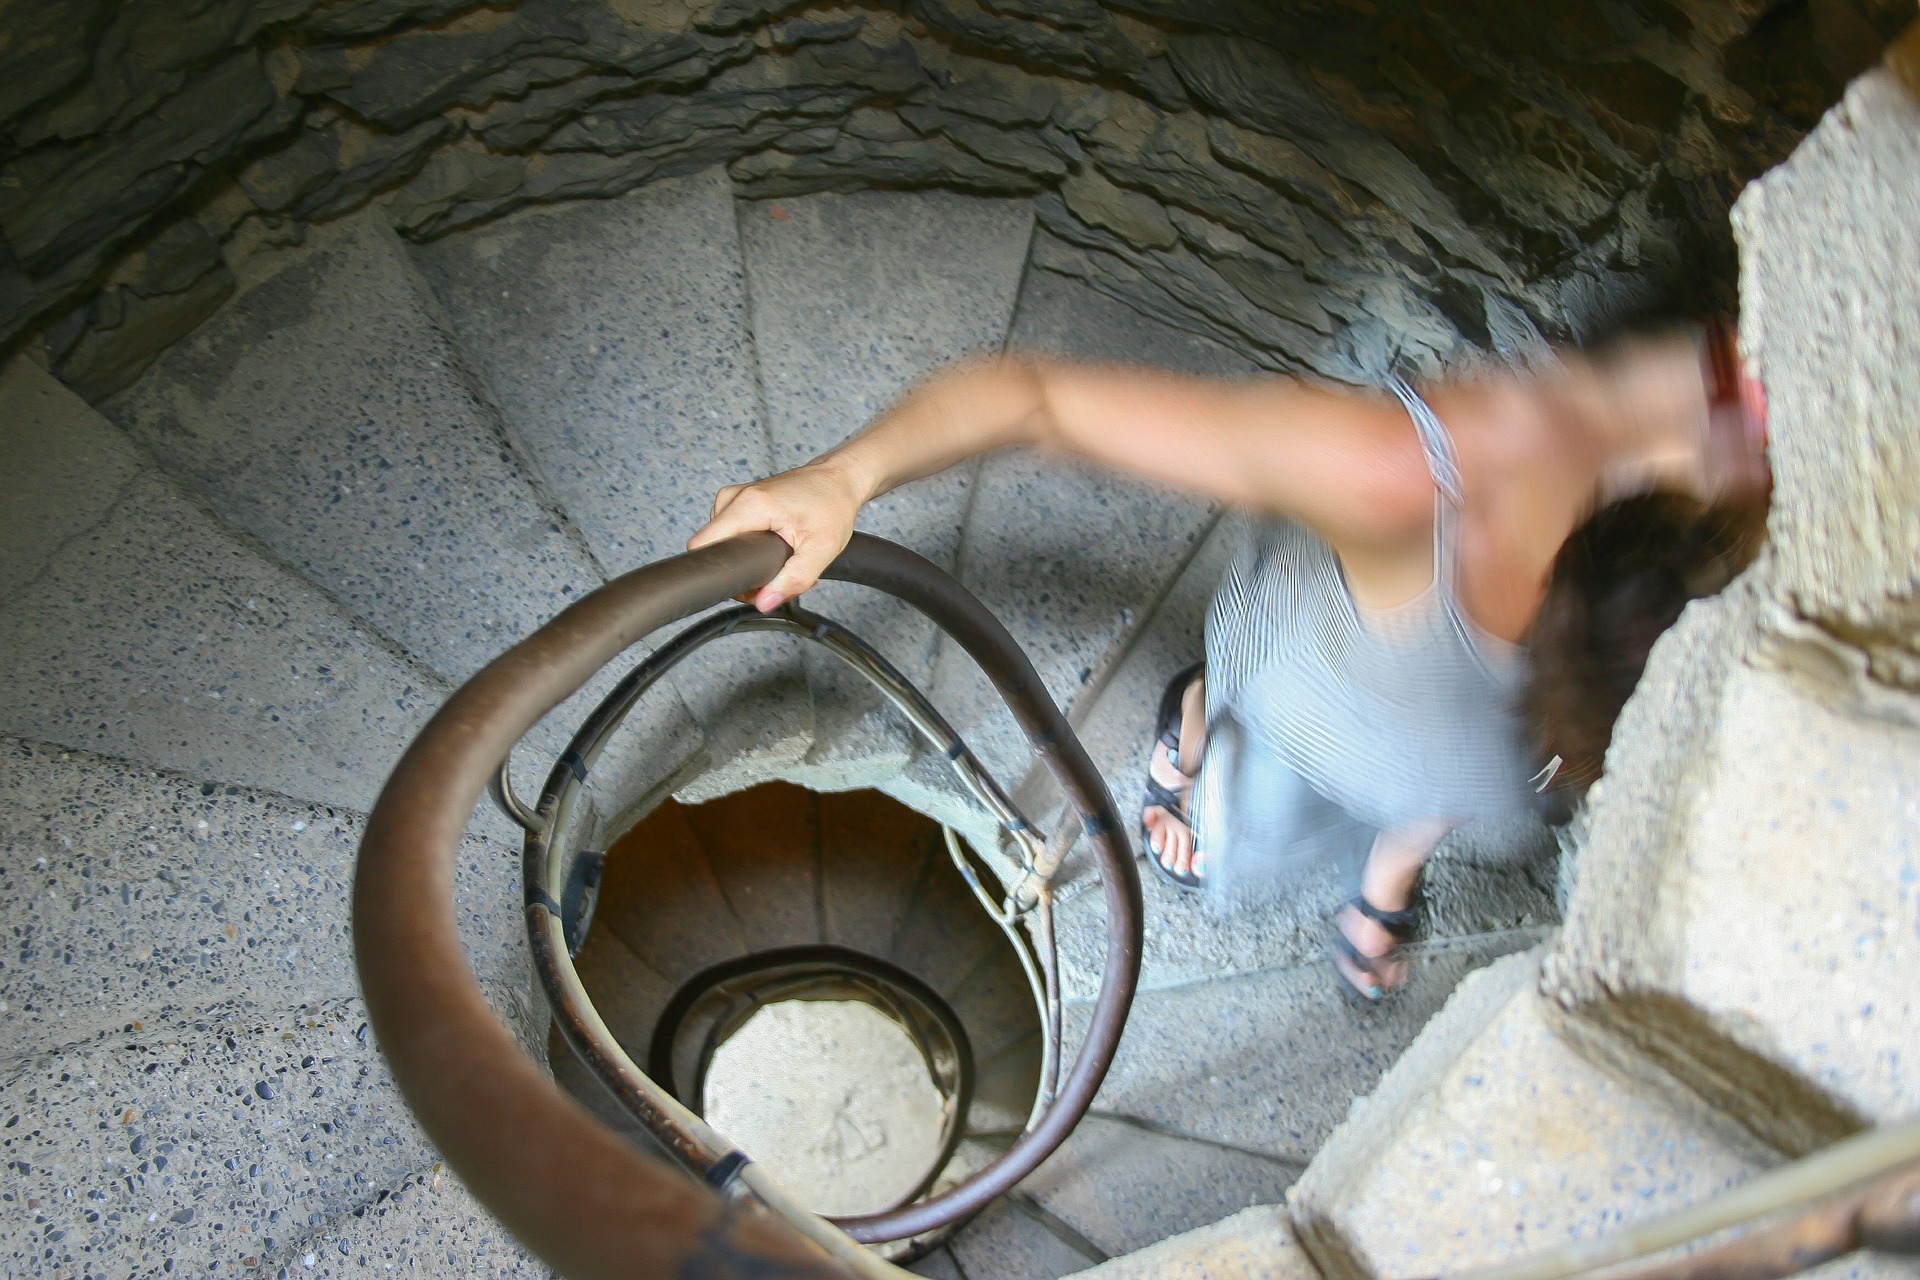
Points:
[235,590]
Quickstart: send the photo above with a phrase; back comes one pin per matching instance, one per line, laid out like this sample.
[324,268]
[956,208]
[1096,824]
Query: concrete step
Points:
[137,896]
[1069,557]
[1013,1240]
[1123,1187]
[1491,1139]
[1271,1062]
[1254,1244]
[659,896]
[208,1144]
[873,858]
[425,1225]
[854,297]
[613,335]
[764,847]
[137,626]
[327,411]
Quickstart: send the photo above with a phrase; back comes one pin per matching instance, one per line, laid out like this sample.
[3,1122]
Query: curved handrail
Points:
[573,1191]
[703,1152]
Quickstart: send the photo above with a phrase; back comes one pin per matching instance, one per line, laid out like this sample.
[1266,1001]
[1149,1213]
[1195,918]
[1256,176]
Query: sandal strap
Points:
[1171,699]
[1159,797]
[1397,923]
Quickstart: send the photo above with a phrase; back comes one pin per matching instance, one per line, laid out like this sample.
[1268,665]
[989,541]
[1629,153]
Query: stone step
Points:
[1271,1062]
[662,901]
[613,335]
[211,1143]
[1491,1139]
[1012,1240]
[764,846]
[137,896]
[1123,1187]
[138,626]
[1254,1244]
[853,297]
[1069,557]
[327,411]
[426,1225]
[1746,919]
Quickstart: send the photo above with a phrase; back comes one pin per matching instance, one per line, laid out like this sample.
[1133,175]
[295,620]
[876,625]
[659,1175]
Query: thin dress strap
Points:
[1443,464]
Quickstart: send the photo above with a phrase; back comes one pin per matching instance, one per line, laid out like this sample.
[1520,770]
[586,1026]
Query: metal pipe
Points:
[1855,1168]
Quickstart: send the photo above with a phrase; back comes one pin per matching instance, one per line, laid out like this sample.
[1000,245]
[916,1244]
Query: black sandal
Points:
[1398,926]
[1157,796]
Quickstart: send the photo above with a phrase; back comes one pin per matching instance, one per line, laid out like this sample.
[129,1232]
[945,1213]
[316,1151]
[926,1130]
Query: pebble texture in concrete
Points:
[426,1225]
[208,1143]
[326,411]
[1254,1244]
[1123,1187]
[613,335]
[133,896]
[137,626]
[1270,1062]
[1491,1139]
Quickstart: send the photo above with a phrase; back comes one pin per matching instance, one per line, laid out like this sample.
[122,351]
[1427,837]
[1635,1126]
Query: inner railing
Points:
[557,923]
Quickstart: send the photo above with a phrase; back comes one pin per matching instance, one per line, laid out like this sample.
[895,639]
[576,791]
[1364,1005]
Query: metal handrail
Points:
[700,1149]
[576,1193]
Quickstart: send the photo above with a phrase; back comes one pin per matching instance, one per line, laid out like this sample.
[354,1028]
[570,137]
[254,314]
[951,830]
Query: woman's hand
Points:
[811,507]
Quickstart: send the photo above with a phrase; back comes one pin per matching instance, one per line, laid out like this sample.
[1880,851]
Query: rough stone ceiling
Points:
[1339,186]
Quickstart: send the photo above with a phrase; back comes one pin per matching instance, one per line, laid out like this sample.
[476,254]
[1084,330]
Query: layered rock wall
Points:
[1329,185]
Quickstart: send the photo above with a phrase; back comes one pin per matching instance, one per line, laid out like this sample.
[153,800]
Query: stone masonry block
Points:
[1766,967]
[1491,1139]
[1830,283]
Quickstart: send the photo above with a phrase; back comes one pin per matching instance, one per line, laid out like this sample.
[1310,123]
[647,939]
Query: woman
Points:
[1366,671]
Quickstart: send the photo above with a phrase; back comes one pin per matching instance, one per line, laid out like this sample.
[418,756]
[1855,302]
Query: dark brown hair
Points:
[1620,580]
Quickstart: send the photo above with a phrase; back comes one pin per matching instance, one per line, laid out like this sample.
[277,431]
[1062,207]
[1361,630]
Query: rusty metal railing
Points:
[577,1194]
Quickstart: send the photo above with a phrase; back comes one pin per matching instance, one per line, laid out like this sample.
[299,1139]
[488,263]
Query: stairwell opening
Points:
[810,973]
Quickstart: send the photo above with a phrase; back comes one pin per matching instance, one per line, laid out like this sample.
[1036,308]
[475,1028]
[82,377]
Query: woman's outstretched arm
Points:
[1345,462]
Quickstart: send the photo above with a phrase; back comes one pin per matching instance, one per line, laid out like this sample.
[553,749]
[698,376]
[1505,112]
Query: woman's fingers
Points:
[805,508]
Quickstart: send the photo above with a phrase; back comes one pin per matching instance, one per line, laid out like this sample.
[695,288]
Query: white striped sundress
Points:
[1327,725]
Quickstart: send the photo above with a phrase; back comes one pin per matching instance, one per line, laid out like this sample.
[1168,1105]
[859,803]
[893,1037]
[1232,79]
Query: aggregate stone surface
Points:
[326,411]
[853,298]
[1831,996]
[1254,1244]
[613,336]
[1123,1187]
[1069,556]
[427,1225]
[207,1143]
[150,632]
[1491,1140]
[133,896]
[1007,1242]
[1270,1062]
